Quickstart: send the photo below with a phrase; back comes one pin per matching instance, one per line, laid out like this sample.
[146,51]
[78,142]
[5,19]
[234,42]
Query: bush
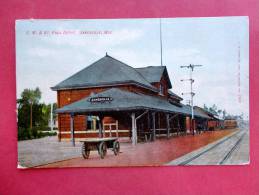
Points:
[24,134]
[20,133]
[40,134]
[47,129]
[34,133]
[49,133]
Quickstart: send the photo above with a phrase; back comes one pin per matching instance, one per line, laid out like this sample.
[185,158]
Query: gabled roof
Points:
[196,112]
[105,72]
[154,74]
[174,95]
[202,112]
[211,113]
[124,101]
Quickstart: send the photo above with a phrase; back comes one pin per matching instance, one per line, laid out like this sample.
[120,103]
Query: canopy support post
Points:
[167,125]
[72,129]
[117,127]
[148,121]
[179,127]
[134,129]
[101,127]
[154,126]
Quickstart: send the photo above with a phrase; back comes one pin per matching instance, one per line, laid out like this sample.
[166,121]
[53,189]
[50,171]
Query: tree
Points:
[224,114]
[46,113]
[31,97]
[213,109]
[205,107]
[219,112]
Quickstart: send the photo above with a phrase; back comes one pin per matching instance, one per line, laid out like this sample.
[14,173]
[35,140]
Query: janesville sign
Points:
[100,99]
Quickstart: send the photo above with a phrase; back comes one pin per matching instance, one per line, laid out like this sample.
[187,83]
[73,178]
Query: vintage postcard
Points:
[132,92]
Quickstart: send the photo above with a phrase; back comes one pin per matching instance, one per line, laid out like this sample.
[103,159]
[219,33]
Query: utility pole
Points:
[161,43]
[191,67]
[188,102]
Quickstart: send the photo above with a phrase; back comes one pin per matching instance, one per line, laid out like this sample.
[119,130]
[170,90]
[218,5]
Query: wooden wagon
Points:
[101,145]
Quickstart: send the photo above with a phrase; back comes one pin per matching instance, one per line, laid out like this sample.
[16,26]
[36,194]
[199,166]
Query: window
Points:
[91,123]
[161,89]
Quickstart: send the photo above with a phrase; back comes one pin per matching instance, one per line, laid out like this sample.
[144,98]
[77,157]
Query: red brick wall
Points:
[66,97]
[188,123]
[213,124]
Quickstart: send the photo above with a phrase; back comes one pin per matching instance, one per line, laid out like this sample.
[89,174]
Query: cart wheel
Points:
[85,151]
[102,149]
[116,147]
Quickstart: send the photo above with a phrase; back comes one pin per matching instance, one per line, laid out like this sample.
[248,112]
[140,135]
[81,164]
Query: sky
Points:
[49,51]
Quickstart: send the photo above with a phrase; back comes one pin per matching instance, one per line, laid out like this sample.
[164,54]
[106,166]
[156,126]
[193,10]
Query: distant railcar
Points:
[213,125]
[230,124]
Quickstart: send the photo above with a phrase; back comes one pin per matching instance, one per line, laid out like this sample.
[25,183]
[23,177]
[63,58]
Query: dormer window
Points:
[161,90]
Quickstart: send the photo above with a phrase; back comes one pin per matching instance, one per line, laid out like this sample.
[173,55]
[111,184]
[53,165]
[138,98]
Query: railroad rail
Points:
[227,156]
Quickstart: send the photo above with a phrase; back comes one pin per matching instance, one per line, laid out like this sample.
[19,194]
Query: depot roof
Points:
[174,95]
[106,71]
[154,74]
[115,99]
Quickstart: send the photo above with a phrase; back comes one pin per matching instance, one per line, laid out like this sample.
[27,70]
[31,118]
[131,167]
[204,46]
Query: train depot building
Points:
[112,99]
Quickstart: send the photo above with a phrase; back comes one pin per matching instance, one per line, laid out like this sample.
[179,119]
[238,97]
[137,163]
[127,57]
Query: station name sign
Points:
[100,99]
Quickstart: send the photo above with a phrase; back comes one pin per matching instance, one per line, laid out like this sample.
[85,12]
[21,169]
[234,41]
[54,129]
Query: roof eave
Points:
[78,111]
[58,111]
[168,78]
[176,97]
[56,88]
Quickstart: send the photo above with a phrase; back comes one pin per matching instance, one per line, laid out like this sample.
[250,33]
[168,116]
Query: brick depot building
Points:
[111,98]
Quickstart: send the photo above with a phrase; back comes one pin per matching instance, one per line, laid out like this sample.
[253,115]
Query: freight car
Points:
[230,123]
[215,124]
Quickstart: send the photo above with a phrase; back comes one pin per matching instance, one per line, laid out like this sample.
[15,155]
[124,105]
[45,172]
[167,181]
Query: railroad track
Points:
[226,155]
